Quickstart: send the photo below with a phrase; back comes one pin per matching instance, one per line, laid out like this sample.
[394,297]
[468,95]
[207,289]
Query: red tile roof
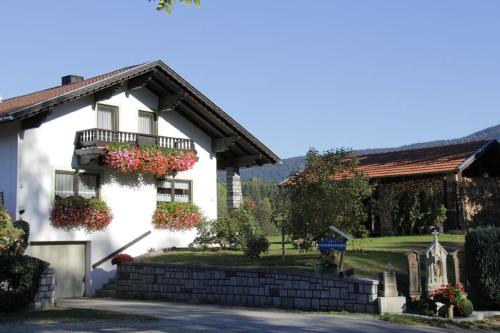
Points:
[20,102]
[434,160]
[441,159]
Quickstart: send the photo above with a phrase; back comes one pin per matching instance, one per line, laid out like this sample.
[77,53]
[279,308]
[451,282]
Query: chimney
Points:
[68,79]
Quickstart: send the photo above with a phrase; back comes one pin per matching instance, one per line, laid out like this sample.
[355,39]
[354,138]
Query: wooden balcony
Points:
[90,143]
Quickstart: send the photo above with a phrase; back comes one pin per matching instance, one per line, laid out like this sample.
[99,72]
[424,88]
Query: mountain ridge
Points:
[279,172]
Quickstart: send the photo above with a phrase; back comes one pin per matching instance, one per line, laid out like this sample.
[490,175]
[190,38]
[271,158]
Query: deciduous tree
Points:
[330,191]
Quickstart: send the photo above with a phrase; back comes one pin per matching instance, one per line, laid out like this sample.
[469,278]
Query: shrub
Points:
[482,250]
[9,234]
[22,244]
[121,258]
[75,212]
[205,236]
[427,307]
[463,308]
[19,281]
[176,216]
[255,245]
[232,231]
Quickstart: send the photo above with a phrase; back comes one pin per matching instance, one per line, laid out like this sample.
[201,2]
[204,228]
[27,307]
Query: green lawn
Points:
[371,256]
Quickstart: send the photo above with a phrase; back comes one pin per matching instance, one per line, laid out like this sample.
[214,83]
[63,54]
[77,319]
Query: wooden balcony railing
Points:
[101,138]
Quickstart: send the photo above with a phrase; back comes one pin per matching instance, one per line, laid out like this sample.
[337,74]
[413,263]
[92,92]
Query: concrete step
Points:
[108,289]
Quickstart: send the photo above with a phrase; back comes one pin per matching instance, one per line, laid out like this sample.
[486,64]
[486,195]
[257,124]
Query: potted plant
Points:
[450,295]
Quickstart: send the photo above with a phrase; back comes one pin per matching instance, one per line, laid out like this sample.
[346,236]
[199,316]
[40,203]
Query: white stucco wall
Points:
[132,198]
[8,165]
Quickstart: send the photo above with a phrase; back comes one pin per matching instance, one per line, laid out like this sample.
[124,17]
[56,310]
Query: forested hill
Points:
[277,173]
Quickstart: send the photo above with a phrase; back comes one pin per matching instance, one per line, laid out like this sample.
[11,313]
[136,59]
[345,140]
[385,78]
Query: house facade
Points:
[52,144]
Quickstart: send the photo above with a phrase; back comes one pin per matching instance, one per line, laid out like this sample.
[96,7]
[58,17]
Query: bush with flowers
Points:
[176,216]
[149,159]
[121,258]
[75,212]
[450,294]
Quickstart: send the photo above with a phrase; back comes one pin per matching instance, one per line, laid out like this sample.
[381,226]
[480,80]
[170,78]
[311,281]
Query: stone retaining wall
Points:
[246,287]
[45,297]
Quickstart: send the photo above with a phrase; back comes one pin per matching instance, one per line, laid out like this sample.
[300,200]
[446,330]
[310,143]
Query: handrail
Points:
[95,136]
[114,253]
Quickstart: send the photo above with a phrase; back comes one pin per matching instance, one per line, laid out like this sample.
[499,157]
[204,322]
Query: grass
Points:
[370,258]
[60,314]
[487,324]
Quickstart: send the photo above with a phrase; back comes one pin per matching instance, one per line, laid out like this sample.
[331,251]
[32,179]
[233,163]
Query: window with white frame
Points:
[170,190]
[107,117]
[69,183]
[147,123]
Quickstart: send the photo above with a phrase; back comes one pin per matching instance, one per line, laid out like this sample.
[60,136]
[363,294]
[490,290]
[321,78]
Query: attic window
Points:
[107,117]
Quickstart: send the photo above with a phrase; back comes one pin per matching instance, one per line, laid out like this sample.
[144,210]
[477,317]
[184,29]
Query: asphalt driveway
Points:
[187,318]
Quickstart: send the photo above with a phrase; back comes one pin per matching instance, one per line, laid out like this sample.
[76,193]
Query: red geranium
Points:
[449,294]
[121,258]
[151,159]
[75,212]
[176,216]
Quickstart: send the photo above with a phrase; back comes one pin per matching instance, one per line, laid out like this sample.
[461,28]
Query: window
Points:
[147,123]
[174,190]
[68,184]
[107,117]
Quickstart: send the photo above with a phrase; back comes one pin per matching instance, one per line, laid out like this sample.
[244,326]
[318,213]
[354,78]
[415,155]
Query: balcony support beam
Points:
[170,102]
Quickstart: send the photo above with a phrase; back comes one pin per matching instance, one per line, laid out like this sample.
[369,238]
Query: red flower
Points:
[176,216]
[74,213]
[449,294]
[121,258]
[152,159]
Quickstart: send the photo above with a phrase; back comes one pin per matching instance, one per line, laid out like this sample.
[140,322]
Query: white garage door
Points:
[68,261]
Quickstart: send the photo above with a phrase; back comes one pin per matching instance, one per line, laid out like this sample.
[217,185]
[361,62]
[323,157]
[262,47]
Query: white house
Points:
[51,142]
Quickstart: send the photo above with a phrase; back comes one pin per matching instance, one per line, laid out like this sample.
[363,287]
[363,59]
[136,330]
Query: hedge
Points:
[19,281]
[482,252]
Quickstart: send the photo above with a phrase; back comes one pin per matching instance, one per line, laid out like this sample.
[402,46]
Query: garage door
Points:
[68,261]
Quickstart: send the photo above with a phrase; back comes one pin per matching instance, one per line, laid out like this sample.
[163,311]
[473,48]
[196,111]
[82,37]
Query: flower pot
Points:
[325,269]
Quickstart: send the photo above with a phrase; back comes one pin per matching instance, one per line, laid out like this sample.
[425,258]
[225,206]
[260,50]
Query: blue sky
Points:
[324,73]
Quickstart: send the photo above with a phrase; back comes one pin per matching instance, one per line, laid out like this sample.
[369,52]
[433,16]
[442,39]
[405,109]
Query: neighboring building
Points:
[51,142]
[465,177]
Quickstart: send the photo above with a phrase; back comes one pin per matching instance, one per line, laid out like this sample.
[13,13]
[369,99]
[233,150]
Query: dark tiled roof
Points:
[21,102]
[208,115]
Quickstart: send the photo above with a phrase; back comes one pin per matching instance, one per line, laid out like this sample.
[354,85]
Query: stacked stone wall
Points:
[45,296]
[246,287]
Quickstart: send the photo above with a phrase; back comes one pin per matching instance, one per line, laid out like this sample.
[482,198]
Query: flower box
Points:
[75,213]
[149,159]
[176,216]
